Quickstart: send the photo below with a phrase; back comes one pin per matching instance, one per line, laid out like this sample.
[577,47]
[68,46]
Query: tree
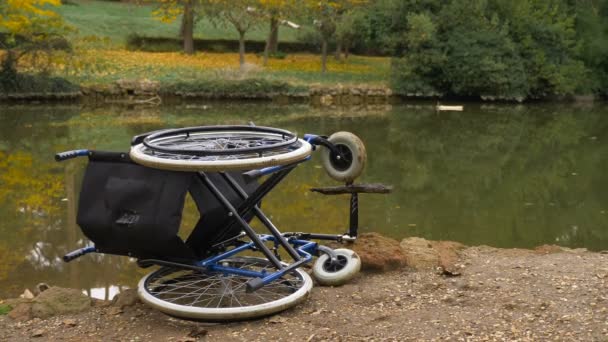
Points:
[495,49]
[592,33]
[169,10]
[348,31]
[242,15]
[276,10]
[30,27]
[326,15]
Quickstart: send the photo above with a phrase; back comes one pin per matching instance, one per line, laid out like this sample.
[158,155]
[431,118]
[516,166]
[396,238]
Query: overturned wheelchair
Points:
[131,204]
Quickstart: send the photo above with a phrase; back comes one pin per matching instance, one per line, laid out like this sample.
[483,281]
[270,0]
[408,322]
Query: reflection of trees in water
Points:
[503,178]
[507,176]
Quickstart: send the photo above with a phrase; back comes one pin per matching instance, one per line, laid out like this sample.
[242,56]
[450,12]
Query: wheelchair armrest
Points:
[255,174]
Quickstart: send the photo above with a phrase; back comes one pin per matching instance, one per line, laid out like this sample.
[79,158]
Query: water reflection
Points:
[510,176]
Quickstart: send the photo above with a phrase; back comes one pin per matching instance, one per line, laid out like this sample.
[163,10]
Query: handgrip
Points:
[70,154]
[78,253]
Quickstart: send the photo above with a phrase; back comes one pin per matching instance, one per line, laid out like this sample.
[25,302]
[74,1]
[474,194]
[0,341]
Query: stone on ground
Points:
[126,298]
[59,301]
[21,312]
[423,254]
[378,253]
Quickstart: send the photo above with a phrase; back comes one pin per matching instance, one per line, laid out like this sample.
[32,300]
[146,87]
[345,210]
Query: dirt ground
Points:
[548,294]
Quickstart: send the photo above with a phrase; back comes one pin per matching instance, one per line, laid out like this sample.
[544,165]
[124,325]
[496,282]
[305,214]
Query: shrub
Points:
[162,44]
[11,82]
[218,88]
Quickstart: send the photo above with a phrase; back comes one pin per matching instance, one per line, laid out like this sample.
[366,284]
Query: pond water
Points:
[501,175]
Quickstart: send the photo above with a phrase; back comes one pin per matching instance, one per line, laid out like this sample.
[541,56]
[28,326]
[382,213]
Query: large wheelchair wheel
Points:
[219,148]
[348,168]
[218,296]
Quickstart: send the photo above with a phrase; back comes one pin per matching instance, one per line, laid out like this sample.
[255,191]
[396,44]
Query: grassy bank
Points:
[117,20]
[106,66]
[98,55]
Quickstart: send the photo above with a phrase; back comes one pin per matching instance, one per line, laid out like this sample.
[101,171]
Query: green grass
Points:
[5,309]
[116,20]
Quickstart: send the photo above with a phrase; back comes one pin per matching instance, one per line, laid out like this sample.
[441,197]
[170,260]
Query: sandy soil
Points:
[500,295]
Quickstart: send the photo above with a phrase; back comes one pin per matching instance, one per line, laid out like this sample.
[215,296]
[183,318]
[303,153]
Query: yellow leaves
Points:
[20,16]
[103,66]
[122,59]
[168,10]
[22,180]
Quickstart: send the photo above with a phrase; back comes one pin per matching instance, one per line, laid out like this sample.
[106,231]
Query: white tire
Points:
[349,266]
[222,297]
[140,154]
[354,150]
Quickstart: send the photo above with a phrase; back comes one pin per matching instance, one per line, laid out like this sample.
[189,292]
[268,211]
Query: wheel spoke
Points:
[217,290]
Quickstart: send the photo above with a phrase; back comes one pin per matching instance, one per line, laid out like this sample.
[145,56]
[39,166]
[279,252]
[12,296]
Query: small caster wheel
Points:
[351,166]
[347,267]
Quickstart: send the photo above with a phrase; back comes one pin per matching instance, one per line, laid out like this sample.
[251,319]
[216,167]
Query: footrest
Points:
[354,189]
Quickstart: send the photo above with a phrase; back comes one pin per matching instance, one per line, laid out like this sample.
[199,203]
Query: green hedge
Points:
[245,88]
[58,43]
[11,83]
[161,44]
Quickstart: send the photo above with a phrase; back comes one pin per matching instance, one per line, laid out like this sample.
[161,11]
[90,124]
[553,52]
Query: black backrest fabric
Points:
[215,225]
[129,209]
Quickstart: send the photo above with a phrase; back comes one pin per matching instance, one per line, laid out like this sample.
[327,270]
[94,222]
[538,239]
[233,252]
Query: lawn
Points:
[109,61]
[116,20]
[104,66]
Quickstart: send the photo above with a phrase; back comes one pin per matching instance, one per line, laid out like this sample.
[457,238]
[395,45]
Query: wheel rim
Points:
[219,140]
[339,265]
[222,155]
[216,292]
[342,164]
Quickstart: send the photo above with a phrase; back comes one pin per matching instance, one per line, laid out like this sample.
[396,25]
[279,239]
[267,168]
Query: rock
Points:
[38,333]
[423,254]
[126,298]
[27,294]
[326,100]
[21,312]
[420,253]
[59,301]
[115,311]
[548,249]
[379,253]
[448,252]
[41,287]
[70,322]
[198,332]
[277,320]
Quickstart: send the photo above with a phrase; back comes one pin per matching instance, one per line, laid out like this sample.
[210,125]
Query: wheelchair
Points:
[131,204]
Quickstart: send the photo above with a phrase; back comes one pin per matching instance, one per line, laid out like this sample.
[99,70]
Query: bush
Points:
[55,43]
[218,88]
[11,82]
[162,44]
[493,49]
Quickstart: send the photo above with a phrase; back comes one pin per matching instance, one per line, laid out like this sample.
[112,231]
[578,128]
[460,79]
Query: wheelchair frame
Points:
[298,245]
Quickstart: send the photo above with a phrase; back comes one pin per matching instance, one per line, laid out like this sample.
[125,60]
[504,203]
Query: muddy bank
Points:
[147,92]
[458,293]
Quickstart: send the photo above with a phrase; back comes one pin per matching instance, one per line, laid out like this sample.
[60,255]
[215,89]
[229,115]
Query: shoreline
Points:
[147,92]
[457,292]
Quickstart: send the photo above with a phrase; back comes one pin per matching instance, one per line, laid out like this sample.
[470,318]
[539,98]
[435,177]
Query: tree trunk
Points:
[188,27]
[242,50]
[338,52]
[272,41]
[346,49]
[324,56]
[274,35]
